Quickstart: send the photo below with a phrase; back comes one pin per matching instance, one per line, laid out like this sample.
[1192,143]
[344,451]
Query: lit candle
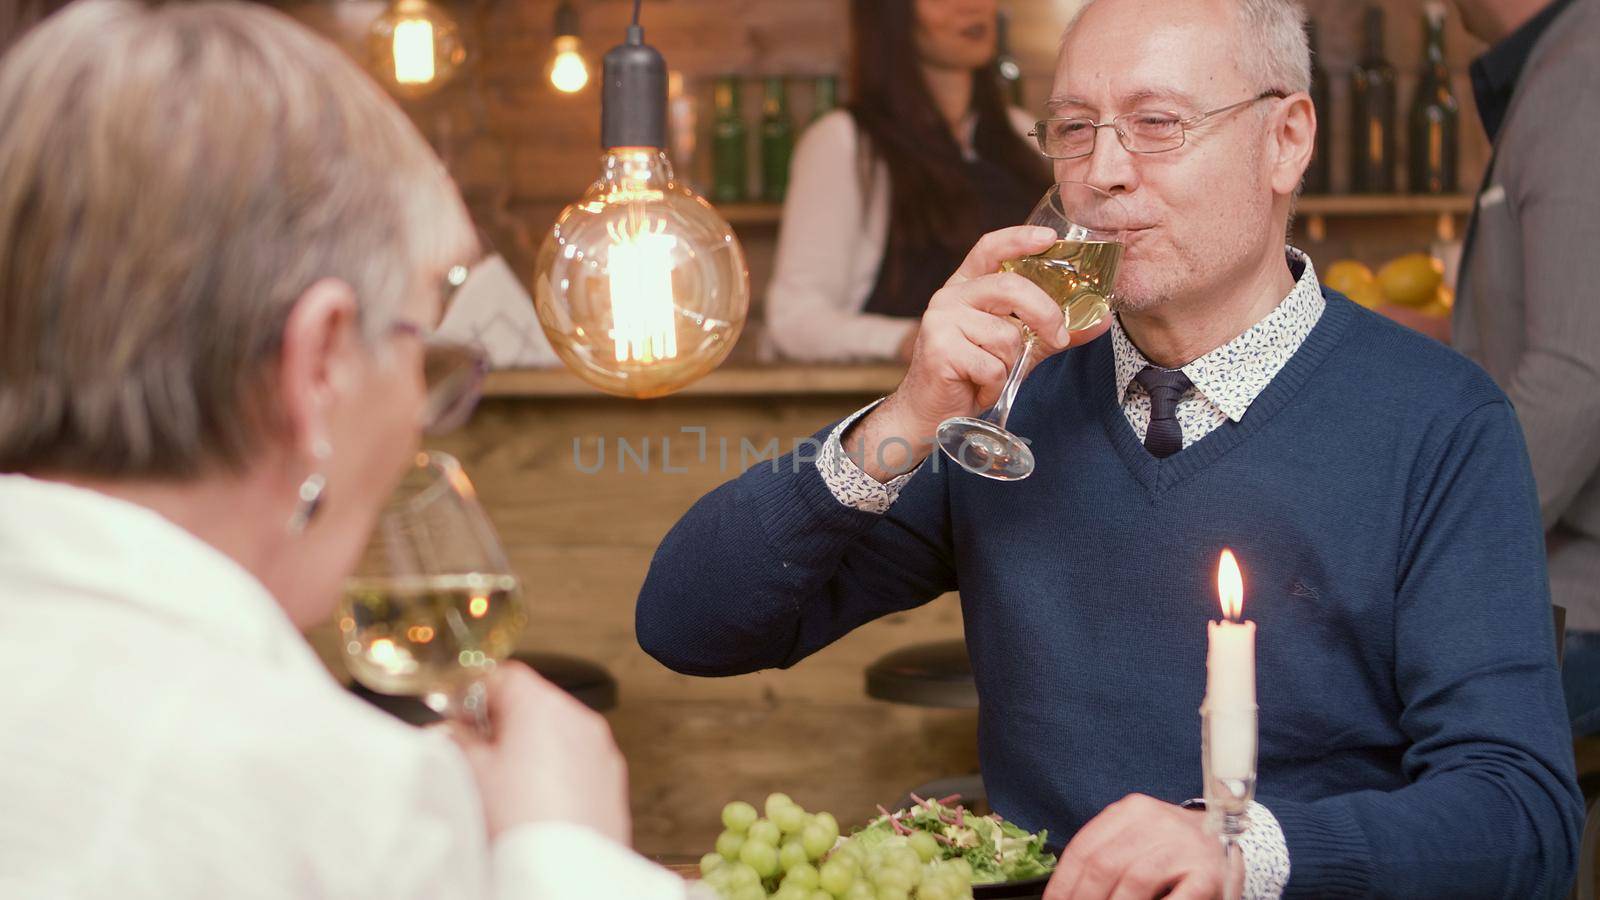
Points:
[1231,678]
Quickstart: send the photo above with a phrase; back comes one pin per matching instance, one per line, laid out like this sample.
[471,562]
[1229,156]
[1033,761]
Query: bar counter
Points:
[583,486]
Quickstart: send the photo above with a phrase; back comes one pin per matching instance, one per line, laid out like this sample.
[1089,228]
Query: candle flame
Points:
[1230,587]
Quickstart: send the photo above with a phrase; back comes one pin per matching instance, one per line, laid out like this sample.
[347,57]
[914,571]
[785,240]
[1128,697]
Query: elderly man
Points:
[1413,740]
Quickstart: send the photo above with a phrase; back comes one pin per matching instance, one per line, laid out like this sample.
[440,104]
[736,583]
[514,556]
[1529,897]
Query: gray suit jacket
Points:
[1528,308]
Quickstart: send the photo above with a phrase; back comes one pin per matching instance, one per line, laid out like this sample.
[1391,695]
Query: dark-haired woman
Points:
[886,196]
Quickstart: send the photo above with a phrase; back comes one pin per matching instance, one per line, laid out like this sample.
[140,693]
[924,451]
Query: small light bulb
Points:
[415,47]
[568,72]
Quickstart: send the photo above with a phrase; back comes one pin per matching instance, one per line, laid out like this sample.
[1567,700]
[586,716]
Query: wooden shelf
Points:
[1384,205]
[728,381]
[749,215]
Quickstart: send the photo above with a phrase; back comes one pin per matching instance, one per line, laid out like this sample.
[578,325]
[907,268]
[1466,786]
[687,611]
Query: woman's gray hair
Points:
[1273,53]
[173,177]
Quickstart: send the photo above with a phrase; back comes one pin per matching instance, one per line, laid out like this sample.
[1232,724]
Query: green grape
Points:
[924,844]
[835,877]
[935,890]
[749,892]
[738,816]
[892,878]
[710,861]
[816,841]
[760,856]
[776,801]
[829,824]
[819,895]
[792,854]
[741,875]
[791,892]
[892,894]
[728,844]
[789,819]
[861,890]
[805,875]
[962,867]
[765,832]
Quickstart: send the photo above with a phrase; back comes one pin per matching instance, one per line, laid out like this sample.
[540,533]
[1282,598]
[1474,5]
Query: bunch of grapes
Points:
[791,855]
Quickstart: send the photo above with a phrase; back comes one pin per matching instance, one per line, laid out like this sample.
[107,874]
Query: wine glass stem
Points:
[1001,411]
[469,705]
[1232,827]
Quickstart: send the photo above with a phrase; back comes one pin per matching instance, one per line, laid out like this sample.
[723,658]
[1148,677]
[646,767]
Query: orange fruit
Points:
[1411,280]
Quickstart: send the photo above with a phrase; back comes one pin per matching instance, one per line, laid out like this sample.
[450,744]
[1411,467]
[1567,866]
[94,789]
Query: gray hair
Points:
[1272,53]
[172,179]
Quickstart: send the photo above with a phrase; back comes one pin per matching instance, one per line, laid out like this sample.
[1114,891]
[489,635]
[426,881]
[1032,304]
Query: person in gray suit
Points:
[1528,303]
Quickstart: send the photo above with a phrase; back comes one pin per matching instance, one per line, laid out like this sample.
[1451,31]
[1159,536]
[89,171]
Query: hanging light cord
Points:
[636,4]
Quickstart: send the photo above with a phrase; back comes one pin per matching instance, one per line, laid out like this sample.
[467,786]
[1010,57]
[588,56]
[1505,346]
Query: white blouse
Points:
[830,247]
[167,733]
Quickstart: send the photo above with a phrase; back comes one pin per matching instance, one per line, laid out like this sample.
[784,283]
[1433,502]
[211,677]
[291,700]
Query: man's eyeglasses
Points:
[1144,131]
[452,370]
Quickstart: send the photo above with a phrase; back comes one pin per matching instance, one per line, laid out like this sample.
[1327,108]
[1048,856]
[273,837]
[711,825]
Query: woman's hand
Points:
[551,759]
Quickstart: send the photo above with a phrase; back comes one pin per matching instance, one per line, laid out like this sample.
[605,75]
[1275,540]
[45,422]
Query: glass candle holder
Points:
[1228,760]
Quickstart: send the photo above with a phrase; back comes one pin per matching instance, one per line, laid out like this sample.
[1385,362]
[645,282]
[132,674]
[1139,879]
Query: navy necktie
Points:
[1165,386]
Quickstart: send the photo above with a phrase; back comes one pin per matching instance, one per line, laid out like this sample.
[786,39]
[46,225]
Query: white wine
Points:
[1076,274]
[427,634]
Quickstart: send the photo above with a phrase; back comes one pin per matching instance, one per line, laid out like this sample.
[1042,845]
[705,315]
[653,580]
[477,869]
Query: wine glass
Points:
[433,605]
[1078,272]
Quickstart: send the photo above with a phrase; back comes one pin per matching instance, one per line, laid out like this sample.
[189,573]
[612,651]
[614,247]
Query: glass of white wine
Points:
[1078,272]
[433,605]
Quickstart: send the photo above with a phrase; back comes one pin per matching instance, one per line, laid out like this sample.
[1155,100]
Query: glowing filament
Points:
[1230,587]
[642,310]
[477,606]
[413,51]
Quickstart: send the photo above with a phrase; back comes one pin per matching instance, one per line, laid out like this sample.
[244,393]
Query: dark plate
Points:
[1026,889]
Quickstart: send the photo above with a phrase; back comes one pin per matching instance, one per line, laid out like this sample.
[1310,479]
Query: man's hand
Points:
[965,346]
[1138,848]
[551,759]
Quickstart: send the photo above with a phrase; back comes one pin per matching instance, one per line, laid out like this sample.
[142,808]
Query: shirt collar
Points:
[1234,375]
[1495,73]
[59,539]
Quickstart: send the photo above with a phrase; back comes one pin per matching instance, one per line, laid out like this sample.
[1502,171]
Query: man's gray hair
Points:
[1272,53]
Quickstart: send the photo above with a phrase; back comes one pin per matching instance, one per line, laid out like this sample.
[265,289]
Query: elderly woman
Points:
[221,248]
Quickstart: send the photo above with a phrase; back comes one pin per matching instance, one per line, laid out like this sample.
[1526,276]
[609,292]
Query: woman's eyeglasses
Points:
[452,370]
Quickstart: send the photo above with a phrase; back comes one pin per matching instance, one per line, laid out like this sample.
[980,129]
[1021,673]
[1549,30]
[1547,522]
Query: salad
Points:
[995,849]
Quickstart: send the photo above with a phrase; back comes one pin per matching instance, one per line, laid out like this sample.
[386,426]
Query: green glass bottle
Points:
[825,96]
[729,152]
[1319,174]
[777,140]
[1373,108]
[1435,114]
[1005,64]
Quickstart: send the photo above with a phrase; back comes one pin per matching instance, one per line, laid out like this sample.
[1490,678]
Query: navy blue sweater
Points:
[1378,495]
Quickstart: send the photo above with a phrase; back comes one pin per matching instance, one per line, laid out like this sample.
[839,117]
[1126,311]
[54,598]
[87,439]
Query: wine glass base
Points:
[986,449]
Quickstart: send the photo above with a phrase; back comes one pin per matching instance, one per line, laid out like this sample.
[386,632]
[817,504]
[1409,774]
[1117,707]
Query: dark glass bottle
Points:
[1319,174]
[1006,66]
[777,140]
[729,166]
[1373,102]
[825,96]
[1433,136]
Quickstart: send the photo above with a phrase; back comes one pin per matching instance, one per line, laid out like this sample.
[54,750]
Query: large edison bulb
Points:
[568,72]
[641,286]
[415,47]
